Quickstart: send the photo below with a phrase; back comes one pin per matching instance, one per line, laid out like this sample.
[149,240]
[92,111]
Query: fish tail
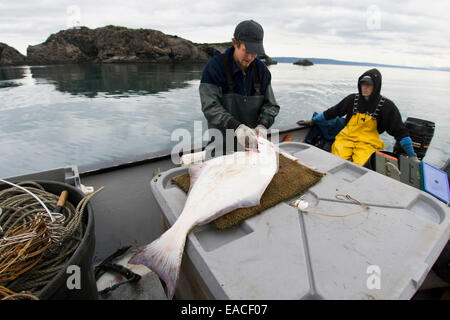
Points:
[163,256]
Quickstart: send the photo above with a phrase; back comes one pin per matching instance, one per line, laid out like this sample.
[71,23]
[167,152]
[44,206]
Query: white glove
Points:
[193,158]
[246,137]
[415,159]
[261,131]
[306,123]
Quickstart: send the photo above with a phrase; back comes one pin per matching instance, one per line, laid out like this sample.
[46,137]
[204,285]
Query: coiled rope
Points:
[6,294]
[34,247]
[301,205]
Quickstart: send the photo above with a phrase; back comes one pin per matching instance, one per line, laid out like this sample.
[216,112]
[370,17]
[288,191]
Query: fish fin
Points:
[163,256]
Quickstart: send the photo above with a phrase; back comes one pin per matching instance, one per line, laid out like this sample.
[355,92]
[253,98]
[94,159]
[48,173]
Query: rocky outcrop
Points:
[113,44]
[10,56]
[267,60]
[304,62]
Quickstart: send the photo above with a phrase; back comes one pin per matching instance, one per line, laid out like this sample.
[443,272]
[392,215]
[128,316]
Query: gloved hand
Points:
[415,159]
[406,144]
[317,118]
[261,131]
[305,123]
[246,137]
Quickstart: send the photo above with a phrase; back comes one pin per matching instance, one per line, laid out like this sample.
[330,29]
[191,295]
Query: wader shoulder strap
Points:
[229,76]
[377,110]
[375,114]
[355,104]
[230,82]
[256,82]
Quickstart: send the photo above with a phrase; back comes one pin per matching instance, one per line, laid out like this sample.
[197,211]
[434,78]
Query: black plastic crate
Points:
[421,133]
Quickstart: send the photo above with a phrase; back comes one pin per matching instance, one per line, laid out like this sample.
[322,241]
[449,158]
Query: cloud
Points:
[412,31]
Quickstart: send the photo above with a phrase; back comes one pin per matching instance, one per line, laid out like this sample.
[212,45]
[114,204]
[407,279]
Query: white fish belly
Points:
[226,183]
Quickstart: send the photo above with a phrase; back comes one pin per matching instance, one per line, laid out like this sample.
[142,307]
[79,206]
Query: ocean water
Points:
[54,116]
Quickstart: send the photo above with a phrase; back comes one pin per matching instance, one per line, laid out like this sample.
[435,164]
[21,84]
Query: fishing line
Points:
[301,206]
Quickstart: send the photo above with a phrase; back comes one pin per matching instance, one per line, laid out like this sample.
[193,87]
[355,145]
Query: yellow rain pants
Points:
[358,140]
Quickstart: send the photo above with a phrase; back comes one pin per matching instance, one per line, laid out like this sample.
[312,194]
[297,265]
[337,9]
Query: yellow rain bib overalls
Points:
[360,137]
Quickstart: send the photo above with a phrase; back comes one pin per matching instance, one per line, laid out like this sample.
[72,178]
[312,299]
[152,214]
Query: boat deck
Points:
[125,211]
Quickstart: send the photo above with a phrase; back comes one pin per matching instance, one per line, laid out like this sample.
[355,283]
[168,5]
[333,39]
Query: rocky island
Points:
[113,44]
[304,62]
[10,56]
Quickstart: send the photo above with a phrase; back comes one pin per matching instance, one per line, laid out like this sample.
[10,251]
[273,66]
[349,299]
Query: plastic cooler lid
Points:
[435,182]
[285,254]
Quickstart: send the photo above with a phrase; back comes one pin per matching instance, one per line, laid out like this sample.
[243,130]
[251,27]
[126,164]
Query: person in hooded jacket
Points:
[367,114]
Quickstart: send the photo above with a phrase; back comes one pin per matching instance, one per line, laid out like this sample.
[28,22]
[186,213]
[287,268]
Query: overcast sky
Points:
[414,33]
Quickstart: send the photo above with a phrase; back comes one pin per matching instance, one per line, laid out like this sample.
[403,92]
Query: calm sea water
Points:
[83,114]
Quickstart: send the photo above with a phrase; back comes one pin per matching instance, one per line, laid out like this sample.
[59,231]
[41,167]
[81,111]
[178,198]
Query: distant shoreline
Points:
[351,63]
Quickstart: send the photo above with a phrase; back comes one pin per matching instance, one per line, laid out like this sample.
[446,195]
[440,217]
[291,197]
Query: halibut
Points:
[218,186]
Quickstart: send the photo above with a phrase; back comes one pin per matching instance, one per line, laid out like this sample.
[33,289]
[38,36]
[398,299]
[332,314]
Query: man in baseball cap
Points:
[236,92]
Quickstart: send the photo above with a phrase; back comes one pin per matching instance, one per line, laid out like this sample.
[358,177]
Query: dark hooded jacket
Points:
[389,118]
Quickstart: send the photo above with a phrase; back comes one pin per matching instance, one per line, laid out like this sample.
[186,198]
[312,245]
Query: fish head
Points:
[268,155]
[265,145]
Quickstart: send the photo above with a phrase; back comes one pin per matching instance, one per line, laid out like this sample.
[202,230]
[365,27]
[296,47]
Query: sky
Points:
[409,33]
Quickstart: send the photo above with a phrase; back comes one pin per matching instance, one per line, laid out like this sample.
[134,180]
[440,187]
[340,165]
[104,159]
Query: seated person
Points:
[368,114]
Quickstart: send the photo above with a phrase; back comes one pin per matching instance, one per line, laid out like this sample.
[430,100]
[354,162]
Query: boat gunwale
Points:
[141,159]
